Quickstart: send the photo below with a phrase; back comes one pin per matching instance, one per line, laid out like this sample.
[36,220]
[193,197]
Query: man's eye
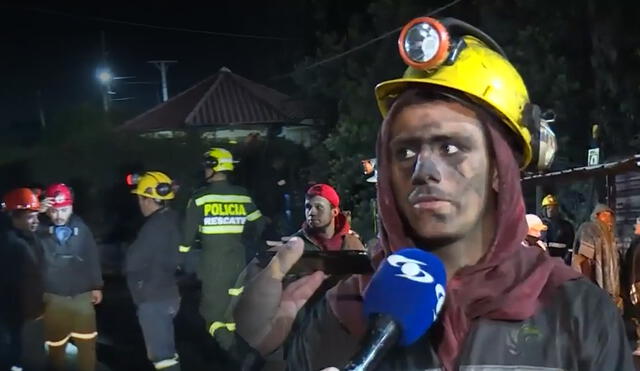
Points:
[450,149]
[407,153]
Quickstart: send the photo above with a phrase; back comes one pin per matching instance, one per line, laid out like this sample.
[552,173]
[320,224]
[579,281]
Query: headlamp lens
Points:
[132,179]
[422,42]
[548,146]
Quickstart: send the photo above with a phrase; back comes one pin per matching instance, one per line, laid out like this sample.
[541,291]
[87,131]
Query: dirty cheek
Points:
[468,174]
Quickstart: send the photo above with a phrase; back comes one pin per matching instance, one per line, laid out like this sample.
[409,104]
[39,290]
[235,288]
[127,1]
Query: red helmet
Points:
[60,193]
[21,199]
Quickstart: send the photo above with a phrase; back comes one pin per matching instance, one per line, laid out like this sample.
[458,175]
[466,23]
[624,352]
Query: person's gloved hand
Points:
[265,312]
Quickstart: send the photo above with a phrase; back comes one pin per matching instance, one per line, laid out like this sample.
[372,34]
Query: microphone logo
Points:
[411,269]
[440,294]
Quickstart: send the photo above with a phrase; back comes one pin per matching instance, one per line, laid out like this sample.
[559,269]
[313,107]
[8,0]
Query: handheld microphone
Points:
[402,301]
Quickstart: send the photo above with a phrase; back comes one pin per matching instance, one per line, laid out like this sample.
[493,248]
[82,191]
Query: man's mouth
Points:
[428,202]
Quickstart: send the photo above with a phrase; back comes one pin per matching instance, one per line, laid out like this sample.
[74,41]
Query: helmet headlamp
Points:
[132,179]
[424,43]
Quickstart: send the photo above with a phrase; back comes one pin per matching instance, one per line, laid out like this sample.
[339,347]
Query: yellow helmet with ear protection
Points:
[219,159]
[475,66]
[152,184]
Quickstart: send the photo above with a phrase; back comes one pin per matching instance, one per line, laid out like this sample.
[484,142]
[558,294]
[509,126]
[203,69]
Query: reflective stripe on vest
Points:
[236,291]
[557,245]
[230,326]
[222,198]
[184,248]
[254,216]
[221,229]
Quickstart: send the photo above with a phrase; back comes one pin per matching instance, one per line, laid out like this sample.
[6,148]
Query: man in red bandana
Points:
[455,134]
[326,228]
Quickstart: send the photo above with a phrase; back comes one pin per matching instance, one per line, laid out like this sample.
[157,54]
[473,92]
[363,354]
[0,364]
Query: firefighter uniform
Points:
[226,222]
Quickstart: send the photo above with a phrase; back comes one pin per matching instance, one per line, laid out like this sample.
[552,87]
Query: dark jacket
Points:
[152,259]
[73,266]
[630,280]
[559,237]
[21,268]
[579,329]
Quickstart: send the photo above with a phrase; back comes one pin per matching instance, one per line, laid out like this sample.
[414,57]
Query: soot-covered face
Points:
[440,169]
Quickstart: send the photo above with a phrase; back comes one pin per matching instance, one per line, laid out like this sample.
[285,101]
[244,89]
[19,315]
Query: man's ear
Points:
[335,211]
[495,179]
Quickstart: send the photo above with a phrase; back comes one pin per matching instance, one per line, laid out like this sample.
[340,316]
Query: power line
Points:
[365,44]
[157,27]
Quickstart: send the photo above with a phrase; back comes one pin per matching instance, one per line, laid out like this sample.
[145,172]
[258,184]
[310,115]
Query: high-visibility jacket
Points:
[223,219]
[225,222]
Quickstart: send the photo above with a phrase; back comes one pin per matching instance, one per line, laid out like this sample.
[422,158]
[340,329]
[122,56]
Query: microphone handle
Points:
[383,335]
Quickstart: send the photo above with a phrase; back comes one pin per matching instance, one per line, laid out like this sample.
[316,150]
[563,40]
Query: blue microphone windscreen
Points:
[409,286]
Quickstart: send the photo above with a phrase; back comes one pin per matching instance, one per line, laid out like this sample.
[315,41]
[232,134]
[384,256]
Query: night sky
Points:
[55,49]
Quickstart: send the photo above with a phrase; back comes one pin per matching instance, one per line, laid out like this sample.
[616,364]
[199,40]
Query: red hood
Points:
[508,283]
[335,242]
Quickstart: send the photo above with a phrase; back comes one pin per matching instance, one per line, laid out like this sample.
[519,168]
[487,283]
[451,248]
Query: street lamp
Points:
[106,78]
[104,75]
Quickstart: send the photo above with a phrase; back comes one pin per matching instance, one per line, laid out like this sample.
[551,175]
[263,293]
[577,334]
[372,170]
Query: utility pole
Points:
[43,122]
[163,65]
[106,87]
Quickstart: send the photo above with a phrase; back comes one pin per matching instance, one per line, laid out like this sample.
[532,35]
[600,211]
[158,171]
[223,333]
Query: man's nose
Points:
[427,169]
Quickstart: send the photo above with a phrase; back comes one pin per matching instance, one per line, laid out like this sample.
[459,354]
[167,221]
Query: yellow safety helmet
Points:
[219,159]
[152,184]
[549,200]
[474,66]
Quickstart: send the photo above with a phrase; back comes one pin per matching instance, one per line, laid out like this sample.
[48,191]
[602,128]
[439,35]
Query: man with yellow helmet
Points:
[560,233]
[226,222]
[150,267]
[457,129]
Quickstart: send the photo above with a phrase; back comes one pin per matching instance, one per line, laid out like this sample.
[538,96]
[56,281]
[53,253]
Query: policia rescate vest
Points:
[226,223]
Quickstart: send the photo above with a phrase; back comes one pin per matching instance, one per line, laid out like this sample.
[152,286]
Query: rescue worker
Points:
[534,234]
[455,132]
[560,233]
[371,170]
[226,222]
[326,228]
[21,285]
[150,268]
[595,252]
[73,282]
